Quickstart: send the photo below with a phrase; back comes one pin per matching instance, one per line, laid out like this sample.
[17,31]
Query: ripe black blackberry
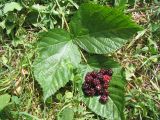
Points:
[103,71]
[105,92]
[109,72]
[103,99]
[98,87]
[92,91]
[100,76]
[88,78]
[105,85]
[97,83]
[99,92]
[85,86]
[93,74]
[89,93]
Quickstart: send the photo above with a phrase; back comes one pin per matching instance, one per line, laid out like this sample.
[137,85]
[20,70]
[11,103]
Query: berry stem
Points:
[83,56]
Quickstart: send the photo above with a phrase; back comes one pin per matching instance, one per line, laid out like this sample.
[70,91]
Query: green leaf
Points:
[28,116]
[102,61]
[4,100]
[58,56]
[11,6]
[101,30]
[67,114]
[120,2]
[39,8]
[113,109]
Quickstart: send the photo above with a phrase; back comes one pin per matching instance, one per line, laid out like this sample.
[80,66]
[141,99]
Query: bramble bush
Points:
[94,32]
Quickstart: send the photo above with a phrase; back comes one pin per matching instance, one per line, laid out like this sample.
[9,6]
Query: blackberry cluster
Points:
[96,84]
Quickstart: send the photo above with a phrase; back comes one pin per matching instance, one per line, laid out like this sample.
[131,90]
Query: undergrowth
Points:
[20,26]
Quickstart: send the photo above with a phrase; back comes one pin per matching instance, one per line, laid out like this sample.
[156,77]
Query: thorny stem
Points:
[63,16]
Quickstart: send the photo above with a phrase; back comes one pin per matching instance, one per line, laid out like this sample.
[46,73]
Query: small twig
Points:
[155,72]
[142,9]
[83,56]
[140,34]
[63,16]
[74,4]
[65,22]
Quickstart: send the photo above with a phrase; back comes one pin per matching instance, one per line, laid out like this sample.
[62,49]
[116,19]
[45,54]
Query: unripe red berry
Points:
[106,77]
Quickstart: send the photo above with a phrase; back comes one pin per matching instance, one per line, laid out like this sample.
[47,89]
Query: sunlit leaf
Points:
[58,56]
[4,100]
[101,30]
[12,6]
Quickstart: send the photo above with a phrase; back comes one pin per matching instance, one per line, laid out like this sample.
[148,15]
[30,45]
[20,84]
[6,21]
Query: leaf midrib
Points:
[116,107]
